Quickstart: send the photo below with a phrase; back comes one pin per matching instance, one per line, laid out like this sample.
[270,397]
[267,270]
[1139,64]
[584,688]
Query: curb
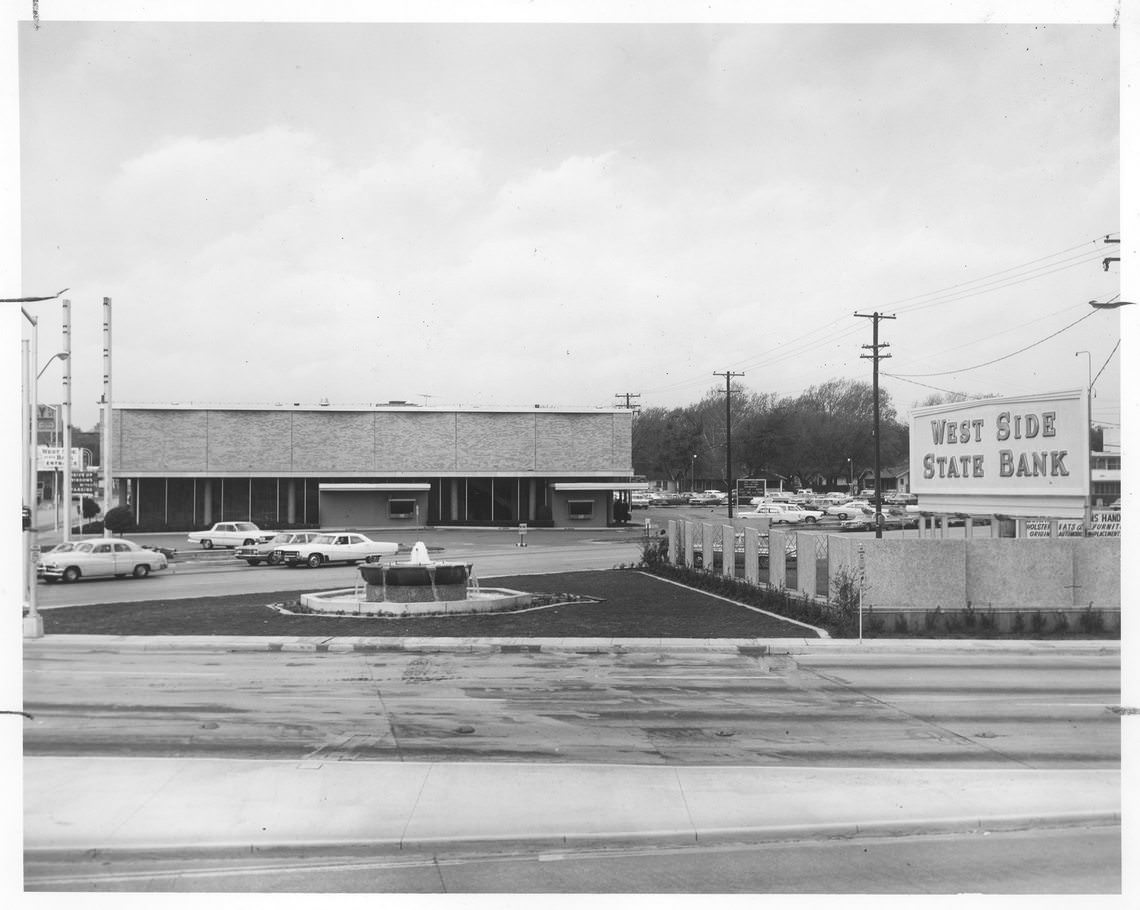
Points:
[750,647]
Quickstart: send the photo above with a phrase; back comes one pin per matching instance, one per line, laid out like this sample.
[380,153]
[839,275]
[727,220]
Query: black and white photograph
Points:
[544,451]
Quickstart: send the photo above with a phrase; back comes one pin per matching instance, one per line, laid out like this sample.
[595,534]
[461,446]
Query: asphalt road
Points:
[952,708]
[1051,861]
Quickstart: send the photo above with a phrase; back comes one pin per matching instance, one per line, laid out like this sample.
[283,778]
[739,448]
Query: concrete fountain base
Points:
[352,602]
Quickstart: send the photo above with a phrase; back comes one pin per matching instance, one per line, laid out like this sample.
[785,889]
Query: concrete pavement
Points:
[222,805]
[219,806]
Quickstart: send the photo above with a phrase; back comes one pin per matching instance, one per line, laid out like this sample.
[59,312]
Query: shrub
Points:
[901,627]
[90,508]
[1037,622]
[1091,620]
[119,520]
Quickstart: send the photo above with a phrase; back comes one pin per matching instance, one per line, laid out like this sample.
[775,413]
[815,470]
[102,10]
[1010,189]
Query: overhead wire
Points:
[951,294]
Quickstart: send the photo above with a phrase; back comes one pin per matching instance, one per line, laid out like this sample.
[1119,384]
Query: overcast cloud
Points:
[503,215]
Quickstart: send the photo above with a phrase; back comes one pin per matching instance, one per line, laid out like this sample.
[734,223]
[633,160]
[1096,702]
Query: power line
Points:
[999,359]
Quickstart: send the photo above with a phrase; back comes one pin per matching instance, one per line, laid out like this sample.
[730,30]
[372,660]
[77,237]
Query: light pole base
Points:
[33,626]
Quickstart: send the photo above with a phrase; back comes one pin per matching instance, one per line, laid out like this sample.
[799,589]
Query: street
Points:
[949,707]
[1051,861]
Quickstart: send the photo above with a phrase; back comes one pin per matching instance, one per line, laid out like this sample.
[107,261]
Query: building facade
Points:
[183,467]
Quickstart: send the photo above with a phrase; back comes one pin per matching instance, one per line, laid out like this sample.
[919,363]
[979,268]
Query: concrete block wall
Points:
[328,442]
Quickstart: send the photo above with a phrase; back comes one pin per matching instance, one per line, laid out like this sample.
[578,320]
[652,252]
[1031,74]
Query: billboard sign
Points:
[1020,457]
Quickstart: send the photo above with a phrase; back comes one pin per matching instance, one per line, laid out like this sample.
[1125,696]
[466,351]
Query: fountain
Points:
[418,586]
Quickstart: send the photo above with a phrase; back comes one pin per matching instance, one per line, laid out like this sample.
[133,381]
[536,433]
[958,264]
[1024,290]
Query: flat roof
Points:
[364,408]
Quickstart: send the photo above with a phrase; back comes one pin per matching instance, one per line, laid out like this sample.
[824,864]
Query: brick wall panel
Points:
[329,442]
[495,442]
[415,442]
[147,441]
[250,441]
[575,442]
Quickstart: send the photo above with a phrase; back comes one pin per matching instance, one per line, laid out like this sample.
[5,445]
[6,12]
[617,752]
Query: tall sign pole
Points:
[728,432]
[67,420]
[108,501]
[876,356]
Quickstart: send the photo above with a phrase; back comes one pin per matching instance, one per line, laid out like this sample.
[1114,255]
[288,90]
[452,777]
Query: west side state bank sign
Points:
[1022,457]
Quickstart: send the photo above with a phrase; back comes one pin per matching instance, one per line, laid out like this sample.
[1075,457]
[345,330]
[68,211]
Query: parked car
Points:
[852,509]
[708,498]
[811,516]
[99,559]
[778,514]
[269,551]
[229,534]
[337,547]
[640,500]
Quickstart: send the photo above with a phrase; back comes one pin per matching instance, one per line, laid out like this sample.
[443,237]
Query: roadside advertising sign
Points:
[83,482]
[749,489]
[1023,457]
[50,458]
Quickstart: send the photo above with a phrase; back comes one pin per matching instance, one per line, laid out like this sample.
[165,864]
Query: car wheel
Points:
[142,570]
[207,544]
[71,573]
[842,516]
[247,542]
[812,519]
[254,562]
[274,559]
[314,561]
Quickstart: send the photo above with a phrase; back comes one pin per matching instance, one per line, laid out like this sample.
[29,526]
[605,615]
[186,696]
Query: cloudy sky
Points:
[497,214]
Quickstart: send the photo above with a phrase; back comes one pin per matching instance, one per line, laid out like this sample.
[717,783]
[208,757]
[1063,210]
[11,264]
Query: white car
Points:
[811,516]
[100,559]
[708,498]
[778,514]
[338,547]
[229,534]
[854,509]
[269,551]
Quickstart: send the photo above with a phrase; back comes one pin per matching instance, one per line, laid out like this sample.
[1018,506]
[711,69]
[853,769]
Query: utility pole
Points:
[627,396]
[728,435]
[876,356]
[1110,259]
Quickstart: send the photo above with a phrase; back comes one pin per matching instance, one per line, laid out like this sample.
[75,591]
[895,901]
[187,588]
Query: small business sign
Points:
[1022,457]
[50,458]
[83,482]
[1104,524]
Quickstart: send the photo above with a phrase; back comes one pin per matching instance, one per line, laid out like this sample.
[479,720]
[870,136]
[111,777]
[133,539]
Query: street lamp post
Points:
[693,476]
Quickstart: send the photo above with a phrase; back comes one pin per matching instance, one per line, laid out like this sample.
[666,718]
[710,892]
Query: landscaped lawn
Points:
[633,605]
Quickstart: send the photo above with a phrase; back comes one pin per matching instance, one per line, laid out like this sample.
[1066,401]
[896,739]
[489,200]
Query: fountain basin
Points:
[348,602]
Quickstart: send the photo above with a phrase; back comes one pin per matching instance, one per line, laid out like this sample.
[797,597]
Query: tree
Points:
[119,520]
[90,508]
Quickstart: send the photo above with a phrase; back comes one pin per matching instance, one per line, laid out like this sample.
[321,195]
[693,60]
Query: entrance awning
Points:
[598,485]
[373,487]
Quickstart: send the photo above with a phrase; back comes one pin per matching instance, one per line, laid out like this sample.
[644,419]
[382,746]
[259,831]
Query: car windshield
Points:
[84,547]
[282,538]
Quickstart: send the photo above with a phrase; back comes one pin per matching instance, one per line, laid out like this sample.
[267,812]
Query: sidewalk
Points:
[218,806]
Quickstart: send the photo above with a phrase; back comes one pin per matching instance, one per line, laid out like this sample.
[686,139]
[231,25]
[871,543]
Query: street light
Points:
[1088,399]
[62,355]
[693,476]
[1111,305]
